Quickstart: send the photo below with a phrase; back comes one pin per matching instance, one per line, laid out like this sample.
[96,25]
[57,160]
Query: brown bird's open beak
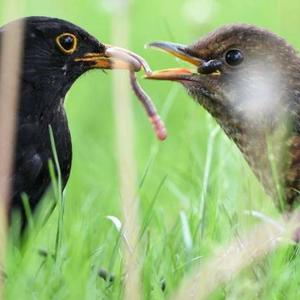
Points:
[179,51]
[115,58]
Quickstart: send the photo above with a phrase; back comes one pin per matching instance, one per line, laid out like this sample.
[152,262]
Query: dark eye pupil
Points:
[234,57]
[67,42]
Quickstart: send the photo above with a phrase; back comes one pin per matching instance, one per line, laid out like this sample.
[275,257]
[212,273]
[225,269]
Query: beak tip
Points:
[156,44]
[147,76]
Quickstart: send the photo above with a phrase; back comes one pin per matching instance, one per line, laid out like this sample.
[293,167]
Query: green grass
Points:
[194,187]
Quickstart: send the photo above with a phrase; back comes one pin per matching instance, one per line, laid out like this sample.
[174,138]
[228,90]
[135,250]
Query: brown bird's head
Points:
[241,71]
[248,79]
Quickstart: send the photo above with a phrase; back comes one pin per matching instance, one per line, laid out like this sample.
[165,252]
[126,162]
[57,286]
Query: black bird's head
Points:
[242,74]
[56,53]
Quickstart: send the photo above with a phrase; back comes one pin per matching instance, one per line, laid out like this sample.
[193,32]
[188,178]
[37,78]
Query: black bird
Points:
[248,79]
[55,54]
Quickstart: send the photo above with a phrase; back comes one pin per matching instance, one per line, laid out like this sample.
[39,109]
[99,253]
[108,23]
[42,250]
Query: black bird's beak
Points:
[115,58]
[180,51]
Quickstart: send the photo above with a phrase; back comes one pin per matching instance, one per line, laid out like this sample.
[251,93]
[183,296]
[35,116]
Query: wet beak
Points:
[179,51]
[115,58]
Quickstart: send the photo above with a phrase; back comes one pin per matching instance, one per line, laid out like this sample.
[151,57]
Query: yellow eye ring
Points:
[67,43]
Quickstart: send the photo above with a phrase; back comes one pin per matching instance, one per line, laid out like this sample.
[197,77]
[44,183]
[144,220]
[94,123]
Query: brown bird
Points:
[248,79]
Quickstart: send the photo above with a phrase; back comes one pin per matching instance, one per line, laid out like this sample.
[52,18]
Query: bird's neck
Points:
[263,141]
[42,96]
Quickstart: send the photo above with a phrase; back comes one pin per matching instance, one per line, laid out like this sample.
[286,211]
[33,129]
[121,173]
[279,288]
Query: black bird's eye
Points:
[234,57]
[67,43]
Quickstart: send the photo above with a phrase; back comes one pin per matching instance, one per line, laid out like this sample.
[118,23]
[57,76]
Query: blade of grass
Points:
[206,174]
[149,213]
[126,159]
[59,195]
[28,212]
[10,62]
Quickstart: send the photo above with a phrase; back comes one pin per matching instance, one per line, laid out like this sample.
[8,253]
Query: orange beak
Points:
[115,58]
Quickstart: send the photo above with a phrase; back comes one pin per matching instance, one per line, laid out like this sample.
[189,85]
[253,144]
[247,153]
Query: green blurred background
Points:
[174,188]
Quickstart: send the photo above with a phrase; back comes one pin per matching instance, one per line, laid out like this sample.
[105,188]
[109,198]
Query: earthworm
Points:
[155,119]
[135,64]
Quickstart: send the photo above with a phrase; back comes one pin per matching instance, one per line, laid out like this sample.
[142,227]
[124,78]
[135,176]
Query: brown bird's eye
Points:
[67,43]
[234,57]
